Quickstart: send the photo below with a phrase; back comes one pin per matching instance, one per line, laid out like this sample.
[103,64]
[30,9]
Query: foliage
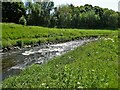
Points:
[94,65]
[39,13]
[110,18]
[65,16]
[12,11]
[22,20]
[86,16]
[88,20]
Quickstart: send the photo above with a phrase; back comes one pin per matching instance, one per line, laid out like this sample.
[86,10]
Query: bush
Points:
[22,20]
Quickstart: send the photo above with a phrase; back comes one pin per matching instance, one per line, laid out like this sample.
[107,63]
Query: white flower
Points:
[69,57]
[93,70]
[43,84]
[105,39]
[56,65]
[80,87]
[78,82]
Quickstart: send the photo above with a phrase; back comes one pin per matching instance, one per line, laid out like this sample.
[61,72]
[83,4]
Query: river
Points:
[15,61]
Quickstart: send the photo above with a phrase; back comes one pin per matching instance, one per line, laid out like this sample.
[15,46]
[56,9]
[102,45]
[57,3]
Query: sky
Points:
[110,4]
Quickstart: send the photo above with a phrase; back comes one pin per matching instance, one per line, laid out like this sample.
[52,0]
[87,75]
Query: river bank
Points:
[18,35]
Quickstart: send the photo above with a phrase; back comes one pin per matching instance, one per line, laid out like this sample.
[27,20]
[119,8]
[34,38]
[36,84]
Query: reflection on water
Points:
[14,61]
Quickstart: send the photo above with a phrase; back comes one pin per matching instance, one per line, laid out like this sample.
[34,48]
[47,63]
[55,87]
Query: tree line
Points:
[65,16]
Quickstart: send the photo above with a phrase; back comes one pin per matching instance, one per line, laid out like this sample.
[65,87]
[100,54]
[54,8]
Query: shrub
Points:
[22,20]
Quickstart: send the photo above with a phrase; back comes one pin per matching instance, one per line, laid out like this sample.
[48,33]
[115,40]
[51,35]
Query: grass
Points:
[94,65]
[19,35]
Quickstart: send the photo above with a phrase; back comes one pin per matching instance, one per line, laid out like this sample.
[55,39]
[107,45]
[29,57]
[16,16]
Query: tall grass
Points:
[14,34]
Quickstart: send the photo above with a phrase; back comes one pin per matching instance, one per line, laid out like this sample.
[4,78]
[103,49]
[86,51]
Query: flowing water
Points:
[14,61]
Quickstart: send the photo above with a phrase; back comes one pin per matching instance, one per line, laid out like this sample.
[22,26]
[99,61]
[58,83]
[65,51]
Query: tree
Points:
[65,16]
[113,20]
[110,18]
[39,12]
[118,19]
[88,19]
[12,11]
[88,7]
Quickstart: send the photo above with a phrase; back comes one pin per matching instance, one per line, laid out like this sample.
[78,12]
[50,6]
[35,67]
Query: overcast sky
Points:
[111,4]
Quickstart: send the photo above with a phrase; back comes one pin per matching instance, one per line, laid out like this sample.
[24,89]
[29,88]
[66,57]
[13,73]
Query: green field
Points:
[93,65]
[15,34]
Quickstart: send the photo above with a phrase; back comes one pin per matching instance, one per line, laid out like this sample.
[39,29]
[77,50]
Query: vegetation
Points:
[64,16]
[22,20]
[20,35]
[94,65]
[12,11]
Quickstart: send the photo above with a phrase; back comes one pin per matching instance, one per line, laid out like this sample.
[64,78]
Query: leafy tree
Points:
[12,11]
[110,18]
[39,12]
[65,16]
[88,7]
[113,20]
[88,19]
[118,19]
[36,14]
[53,21]
[61,14]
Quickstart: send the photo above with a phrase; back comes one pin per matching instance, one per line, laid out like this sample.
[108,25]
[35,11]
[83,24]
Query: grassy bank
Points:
[14,34]
[89,66]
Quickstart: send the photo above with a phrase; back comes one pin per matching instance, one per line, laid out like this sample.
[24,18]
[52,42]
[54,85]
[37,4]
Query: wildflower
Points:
[102,79]
[56,65]
[65,67]
[43,84]
[93,70]
[106,84]
[109,38]
[108,59]
[69,57]
[96,52]
[80,87]
[78,82]
[105,39]
[113,41]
